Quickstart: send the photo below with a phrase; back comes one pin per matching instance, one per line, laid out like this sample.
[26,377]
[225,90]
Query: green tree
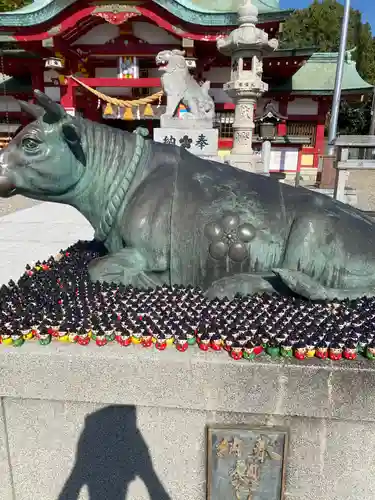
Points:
[7,5]
[354,119]
[319,27]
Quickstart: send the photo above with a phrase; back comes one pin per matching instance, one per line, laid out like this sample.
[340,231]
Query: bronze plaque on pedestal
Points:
[246,463]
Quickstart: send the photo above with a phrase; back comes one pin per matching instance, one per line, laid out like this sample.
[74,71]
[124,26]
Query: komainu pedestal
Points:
[198,141]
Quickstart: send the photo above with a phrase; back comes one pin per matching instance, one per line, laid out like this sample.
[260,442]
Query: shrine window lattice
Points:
[302,129]
[224,122]
[7,135]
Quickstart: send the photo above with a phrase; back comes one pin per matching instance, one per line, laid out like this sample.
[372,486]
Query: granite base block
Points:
[89,452]
[197,141]
[115,423]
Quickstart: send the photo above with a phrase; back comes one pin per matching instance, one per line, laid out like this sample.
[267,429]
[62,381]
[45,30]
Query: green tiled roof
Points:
[203,12]
[222,12]
[213,6]
[318,75]
[37,12]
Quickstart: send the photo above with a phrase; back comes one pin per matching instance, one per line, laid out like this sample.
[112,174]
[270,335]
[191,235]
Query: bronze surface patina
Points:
[166,216]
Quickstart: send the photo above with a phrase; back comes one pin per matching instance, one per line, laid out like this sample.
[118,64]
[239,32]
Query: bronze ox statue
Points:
[167,216]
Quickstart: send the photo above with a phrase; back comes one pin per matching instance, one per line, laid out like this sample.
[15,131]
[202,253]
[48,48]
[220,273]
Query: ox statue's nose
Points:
[6,186]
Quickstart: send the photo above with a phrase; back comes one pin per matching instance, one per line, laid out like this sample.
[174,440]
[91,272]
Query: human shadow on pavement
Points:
[111,453]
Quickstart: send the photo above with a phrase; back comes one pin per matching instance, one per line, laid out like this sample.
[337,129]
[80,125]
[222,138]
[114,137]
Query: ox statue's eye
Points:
[30,144]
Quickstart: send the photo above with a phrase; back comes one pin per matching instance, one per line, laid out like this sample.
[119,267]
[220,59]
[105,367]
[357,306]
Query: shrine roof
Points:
[202,12]
[318,74]
[39,11]
[220,13]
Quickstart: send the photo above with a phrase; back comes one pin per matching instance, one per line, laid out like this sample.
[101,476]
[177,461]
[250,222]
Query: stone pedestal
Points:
[198,141]
[328,174]
[130,423]
[185,123]
[250,162]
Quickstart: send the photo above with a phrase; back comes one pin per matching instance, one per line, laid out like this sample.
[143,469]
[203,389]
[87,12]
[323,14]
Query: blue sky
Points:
[367,7]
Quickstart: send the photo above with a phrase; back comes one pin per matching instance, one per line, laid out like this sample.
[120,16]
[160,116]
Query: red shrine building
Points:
[98,60]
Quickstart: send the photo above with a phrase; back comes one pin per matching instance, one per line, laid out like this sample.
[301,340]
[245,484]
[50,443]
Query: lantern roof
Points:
[270,113]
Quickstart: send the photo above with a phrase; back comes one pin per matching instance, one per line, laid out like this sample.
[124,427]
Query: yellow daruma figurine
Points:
[310,351]
[169,339]
[64,337]
[136,338]
[27,334]
[6,339]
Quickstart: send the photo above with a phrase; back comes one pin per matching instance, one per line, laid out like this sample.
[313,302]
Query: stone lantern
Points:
[246,45]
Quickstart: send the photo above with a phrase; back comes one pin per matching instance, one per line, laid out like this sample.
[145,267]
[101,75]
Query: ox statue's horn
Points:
[31,109]
[53,111]
[73,140]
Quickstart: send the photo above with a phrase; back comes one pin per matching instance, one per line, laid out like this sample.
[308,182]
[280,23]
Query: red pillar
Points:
[281,127]
[320,128]
[67,99]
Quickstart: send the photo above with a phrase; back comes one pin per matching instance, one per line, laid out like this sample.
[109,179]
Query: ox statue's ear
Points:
[53,111]
[73,140]
[31,109]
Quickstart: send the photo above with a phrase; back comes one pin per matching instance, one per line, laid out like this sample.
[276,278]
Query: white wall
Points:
[220,96]
[303,106]
[283,159]
[262,102]
[100,34]
[214,75]
[53,93]
[116,91]
[49,75]
[217,75]
[106,72]
[113,91]
[154,73]
[151,33]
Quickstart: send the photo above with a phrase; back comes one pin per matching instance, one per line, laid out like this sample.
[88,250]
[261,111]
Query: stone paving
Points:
[10,205]
[36,233]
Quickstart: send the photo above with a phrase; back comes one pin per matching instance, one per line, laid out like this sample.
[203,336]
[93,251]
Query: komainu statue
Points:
[167,216]
[180,87]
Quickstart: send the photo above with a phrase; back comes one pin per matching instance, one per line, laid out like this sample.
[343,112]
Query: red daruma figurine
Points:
[146,338]
[161,342]
[204,343]
[236,351]
[181,342]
